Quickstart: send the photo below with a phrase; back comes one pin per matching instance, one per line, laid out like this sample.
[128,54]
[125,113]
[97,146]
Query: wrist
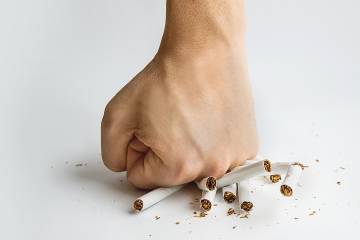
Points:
[193,26]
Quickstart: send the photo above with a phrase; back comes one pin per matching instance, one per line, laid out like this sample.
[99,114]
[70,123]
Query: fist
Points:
[184,117]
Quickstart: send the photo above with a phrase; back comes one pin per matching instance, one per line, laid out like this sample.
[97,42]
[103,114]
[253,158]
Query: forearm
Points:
[193,24]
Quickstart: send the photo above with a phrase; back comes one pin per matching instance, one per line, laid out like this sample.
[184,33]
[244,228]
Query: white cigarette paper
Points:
[207,199]
[244,196]
[249,171]
[229,193]
[154,197]
[208,184]
[291,179]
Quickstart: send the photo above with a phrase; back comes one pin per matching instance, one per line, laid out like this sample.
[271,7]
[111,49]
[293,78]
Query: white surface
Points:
[61,61]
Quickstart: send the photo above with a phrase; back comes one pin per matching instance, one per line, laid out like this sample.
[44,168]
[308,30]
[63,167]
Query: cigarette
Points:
[229,193]
[154,197]
[245,202]
[274,178]
[276,170]
[208,184]
[291,179]
[252,170]
[207,199]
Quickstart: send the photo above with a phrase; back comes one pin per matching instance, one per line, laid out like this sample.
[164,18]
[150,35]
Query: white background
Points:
[61,61]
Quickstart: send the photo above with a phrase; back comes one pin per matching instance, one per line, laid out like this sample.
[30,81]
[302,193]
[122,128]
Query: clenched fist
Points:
[189,113]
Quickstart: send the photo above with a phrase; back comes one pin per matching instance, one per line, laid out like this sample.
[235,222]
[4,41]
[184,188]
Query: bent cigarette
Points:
[252,170]
[245,202]
[229,193]
[291,179]
[207,199]
[208,184]
[154,197]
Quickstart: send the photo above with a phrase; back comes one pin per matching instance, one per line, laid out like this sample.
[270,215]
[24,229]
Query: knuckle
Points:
[218,168]
[186,171]
[108,119]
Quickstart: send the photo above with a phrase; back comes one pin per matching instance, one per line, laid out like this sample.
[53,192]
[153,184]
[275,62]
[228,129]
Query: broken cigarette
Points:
[207,199]
[208,184]
[154,197]
[243,192]
[291,179]
[277,169]
[229,193]
[258,168]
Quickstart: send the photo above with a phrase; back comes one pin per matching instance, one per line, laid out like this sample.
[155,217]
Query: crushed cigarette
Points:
[291,179]
[246,206]
[154,197]
[274,178]
[246,172]
[229,197]
[244,196]
[157,217]
[177,223]
[208,183]
[207,199]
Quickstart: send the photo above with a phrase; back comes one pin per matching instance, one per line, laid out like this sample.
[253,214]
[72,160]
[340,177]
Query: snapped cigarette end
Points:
[229,197]
[267,165]
[286,190]
[274,178]
[246,206]
[205,204]
[138,205]
[211,183]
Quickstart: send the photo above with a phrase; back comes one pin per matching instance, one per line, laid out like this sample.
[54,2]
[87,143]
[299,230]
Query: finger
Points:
[136,150]
[148,172]
[117,130]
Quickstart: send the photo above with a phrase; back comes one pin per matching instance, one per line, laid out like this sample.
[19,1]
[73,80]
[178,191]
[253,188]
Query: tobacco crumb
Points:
[317,160]
[233,227]
[195,212]
[78,165]
[342,168]
[230,211]
[312,213]
[229,197]
[338,183]
[215,204]
[177,223]
[296,218]
[246,206]
[245,215]
[201,215]
[157,217]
